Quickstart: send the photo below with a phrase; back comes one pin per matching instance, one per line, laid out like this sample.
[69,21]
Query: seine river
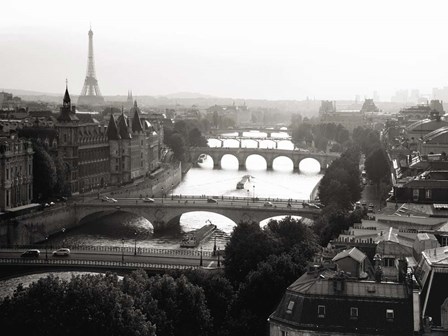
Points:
[281,182]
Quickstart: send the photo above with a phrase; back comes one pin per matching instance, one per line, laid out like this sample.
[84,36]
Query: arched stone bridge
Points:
[163,214]
[167,214]
[240,139]
[265,129]
[296,156]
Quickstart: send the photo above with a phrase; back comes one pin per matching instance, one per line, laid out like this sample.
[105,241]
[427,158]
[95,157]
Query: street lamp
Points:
[253,194]
[200,262]
[248,197]
[162,195]
[46,248]
[214,248]
[219,261]
[172,191]
[122,250]
[135,243]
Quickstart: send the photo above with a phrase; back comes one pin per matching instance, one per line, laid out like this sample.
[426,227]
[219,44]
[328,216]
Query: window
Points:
[389,262]
[290,307]
[283,333]
[428,193]
[389,314]
[321,311]
[415,193]
[444,240]
[353,313]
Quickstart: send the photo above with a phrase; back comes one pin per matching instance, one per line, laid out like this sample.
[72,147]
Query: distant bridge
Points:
[240,139]
[240,130]
[296,156]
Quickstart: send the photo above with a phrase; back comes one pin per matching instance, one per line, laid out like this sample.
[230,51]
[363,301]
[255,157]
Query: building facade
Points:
[16,172]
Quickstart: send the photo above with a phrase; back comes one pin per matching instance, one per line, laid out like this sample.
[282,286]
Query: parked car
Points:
[268,204]
[34,253]
[148,200]
[370,207]
[104,198]
[211,200]
[112,200]
[62,252]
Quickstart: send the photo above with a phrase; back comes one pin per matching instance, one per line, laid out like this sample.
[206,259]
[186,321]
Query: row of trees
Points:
[339,189]
[320,135]
[184,134]
[259,265]
[377,163]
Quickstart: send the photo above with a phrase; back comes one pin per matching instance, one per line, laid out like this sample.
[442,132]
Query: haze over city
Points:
[250,49]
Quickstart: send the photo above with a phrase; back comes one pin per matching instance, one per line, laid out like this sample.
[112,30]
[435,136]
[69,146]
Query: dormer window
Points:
[290,307]
[321,311]
[390,315]
[353,313]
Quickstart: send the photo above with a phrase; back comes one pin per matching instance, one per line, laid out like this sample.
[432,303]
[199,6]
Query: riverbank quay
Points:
[159,184]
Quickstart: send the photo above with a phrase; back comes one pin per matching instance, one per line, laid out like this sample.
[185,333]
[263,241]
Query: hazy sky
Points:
[242,49]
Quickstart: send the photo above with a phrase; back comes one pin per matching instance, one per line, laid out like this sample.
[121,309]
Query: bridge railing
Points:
[114,249]
[93,263]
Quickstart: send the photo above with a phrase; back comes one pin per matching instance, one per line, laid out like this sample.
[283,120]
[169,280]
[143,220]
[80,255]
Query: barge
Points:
[193,238]
[241,184]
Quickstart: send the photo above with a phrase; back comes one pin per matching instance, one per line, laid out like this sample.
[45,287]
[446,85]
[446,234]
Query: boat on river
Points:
[193,238]
[241,184]
[202,158]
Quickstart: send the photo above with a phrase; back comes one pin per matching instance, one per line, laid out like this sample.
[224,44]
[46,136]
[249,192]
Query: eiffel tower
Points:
[90,94]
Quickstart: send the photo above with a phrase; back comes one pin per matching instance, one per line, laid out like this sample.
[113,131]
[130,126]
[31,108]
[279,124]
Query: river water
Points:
[281,182]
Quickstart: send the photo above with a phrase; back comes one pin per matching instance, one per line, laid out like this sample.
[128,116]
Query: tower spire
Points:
[90,94]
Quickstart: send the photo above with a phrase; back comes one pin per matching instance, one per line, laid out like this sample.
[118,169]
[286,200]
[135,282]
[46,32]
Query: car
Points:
[112,200]
[34,253]
[104,198]
[370,207]
[363,203]
[211,200]
[148,200]
[62,252]
[268,204]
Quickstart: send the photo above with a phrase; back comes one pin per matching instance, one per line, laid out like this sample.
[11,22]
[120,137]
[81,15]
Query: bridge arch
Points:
[199,218]
[314,160]
[248,161]
[287,164]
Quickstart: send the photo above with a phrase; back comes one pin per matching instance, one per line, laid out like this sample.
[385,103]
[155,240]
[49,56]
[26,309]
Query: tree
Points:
[196,139]
[219,295]
[44,172]
[61,187]
[89,305]
[288,232]
[248,245]
[377,165]
[177,144]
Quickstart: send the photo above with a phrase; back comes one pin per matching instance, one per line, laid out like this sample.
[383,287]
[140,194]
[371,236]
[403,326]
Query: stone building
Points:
[16,172]
[84,148]
[134,147]
[325,301]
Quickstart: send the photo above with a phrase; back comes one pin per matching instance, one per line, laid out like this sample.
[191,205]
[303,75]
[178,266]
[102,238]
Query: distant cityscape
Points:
[371,259]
